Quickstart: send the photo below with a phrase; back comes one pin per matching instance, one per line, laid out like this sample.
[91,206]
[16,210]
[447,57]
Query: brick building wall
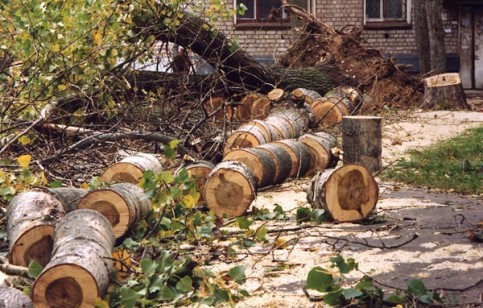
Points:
[338,13]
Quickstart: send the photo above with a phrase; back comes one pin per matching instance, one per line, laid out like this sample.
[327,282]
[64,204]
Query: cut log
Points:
[11,297]
[245,137]
[132,168]
[298,119]
[199,171]
[31,220]
[244,108]
[261,108]
[348,193]
[300,156]
[123,204]
[282,159]
[262,165]
[308,96]
[352,94]
[444,92]
[68,196]
[275,94]
[265,128]
[362,141]
[81,264]
[230,189]
[330,110]
[320,144]
[281,128]
[218,106]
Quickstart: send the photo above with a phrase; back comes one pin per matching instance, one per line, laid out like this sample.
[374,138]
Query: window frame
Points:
[389,23]
[256,23]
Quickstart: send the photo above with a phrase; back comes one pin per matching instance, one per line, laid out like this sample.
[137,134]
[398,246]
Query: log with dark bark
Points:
[444,92]
[132,168]
[68,196]
[321,146]
[348,193]
[11,297]
[230,189]
[300,156]
[123,204]
[362,141]
[31,219]
[79,271]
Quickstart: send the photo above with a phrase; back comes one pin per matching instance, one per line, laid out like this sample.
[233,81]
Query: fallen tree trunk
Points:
[132,168]
[123,204]
[348,193]
[81,264]
[321,146]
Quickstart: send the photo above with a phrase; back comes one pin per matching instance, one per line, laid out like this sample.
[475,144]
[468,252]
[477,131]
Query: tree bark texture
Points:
[434,9]
[422,35]
[81,262]
[348,193]
[31,219]
[11,297]
[69,197]
[320,144]
[300,156]
[444,92]
[131,169]
[123,204]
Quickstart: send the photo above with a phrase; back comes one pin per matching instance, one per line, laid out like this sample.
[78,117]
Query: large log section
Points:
[11,297]
[444,92]
[79,271]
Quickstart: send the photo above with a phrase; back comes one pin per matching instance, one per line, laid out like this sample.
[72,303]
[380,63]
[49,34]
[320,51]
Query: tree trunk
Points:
[348,193]
[123,204]
[362,141]
[131,169]
[320,145]
[69,197]
[11,297]
[422,35]
[300,156]
[81,264]
[444,92]
[230,189]
[434,9]
[32,216]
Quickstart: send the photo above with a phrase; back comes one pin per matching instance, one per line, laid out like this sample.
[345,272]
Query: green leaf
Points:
[55,184]
[416,287]
[365,282]
[261,234]
[343,265]
[243,222]
[333,298]
[278,209]
[129,297]
[238,274]
[129,243]
[148,267]
[319,279]
[351,293]
[302,215]
[34,269]
[396,298]
[185,284]
[167,293]
[319,216]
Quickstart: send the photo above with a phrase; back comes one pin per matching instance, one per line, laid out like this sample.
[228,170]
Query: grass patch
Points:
[455,164]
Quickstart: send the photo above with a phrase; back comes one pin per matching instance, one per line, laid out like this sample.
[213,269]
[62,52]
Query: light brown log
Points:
[444,92]
[298,119]
[31,219]
[244,109]
[78,273]
[68,196]
[320,144]
[123,204]
[218,106]
[300,156]
[261,108]
[281,127]
[245,137]
[230,189]
[348,193]
[199,171]
[262,166]
[362,141]
[329,111]
[352,94]
[132,168]
[283,162]
[308,96]
[265,128]
[275,95]
[11,297]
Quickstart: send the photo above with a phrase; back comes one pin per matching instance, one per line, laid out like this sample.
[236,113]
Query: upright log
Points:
[362,141]
[131,169]
[123,204]
[444,92]
[348,193]
[31,219]
[81,264]
[230,189]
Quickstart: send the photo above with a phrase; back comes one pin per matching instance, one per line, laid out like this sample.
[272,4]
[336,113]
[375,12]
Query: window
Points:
[387,13]
[267,13]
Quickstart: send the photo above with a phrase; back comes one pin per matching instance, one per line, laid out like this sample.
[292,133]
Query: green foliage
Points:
[454,164]
[305,214]
[34,269]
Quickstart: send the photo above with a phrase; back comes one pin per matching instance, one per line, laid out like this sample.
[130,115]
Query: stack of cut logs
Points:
[72,231]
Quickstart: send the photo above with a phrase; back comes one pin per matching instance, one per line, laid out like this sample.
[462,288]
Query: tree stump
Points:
[123,204]
[320,145]
[230,189]
[444,92]
[132,168]
[11,297]
[31,220]
[362,141]
[348,193]
[78,273]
